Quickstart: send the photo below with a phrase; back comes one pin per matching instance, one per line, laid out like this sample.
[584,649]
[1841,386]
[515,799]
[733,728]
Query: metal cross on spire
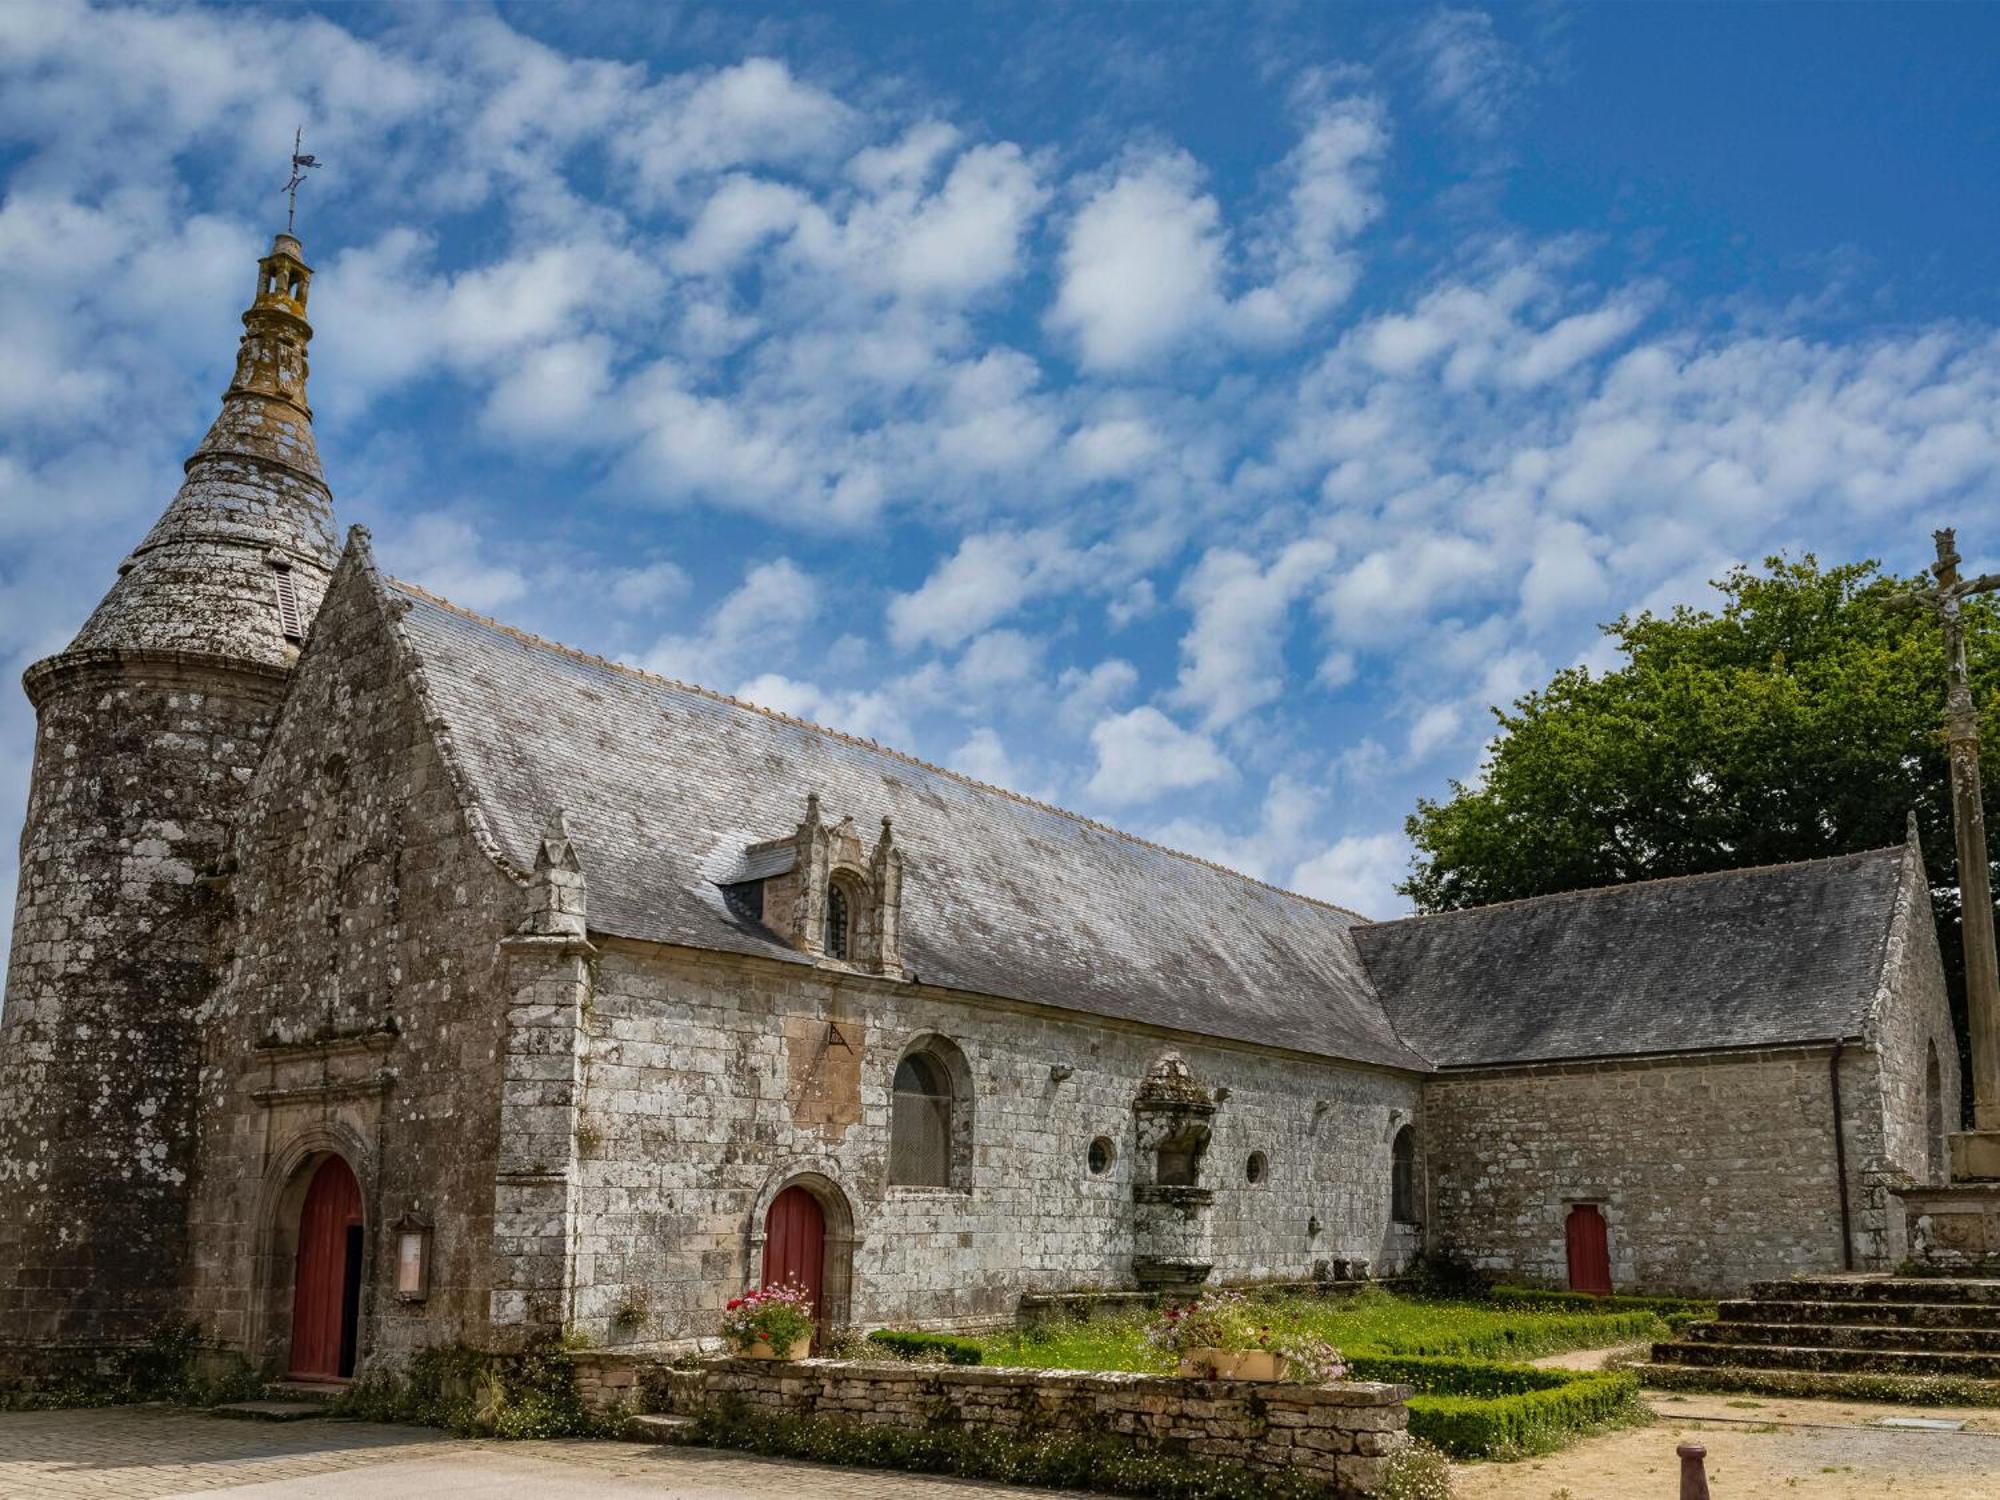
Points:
[1982,977]
[301,164]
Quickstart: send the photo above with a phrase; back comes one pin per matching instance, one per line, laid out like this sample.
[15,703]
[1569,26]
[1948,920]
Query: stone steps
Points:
[1983,1292]
[658,1427]
[271,1411]
[1822,1385]
[1807,1356]
[1849,1336]
[1895,1314]
[323,1392]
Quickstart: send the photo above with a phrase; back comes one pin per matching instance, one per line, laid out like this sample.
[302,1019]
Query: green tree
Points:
[1802,718]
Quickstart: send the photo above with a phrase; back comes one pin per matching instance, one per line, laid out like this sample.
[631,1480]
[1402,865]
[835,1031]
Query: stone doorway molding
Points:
[842,1235]
[274,1255]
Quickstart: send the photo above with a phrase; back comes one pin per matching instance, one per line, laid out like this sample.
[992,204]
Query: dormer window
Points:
[823,891]
[839,923]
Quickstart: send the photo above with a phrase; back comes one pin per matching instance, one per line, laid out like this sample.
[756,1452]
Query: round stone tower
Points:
[149,727]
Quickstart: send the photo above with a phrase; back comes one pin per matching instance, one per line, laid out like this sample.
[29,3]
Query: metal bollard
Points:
[1694,1475]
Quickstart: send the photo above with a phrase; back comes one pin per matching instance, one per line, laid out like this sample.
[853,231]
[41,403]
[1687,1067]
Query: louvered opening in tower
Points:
[289,619]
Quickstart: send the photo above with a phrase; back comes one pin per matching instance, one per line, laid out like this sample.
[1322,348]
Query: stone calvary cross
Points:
[1953,1229]
[1970,1158]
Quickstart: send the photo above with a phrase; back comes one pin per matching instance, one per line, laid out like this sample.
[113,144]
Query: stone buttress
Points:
[149,727]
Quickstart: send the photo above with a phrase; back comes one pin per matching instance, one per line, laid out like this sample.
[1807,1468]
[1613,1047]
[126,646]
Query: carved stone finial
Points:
[557,895]
[812,809]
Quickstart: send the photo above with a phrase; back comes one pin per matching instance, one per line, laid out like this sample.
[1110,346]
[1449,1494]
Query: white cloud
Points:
[983,757]
[988,578]
[1142,754]
[759,620]
[1141,264]
[1230,656]
[869,715]
[1147,263]
[1359,872]
[446,554]
[1468,71]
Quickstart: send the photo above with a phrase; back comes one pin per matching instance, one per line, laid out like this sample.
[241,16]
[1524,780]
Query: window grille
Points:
[289,618]
[920,1124]
[1403,1176]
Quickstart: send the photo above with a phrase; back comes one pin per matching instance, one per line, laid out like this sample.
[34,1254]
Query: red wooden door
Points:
[326,1291]
[795,1243]
[1589,1251]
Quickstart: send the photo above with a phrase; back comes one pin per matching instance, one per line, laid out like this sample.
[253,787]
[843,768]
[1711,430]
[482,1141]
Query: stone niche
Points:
[1171,1232]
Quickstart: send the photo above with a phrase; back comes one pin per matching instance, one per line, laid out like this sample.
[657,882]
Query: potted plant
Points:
[1206,1335]
[1298,1357]
[775,1322]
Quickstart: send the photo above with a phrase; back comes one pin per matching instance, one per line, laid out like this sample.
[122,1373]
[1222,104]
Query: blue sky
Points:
[1195,416]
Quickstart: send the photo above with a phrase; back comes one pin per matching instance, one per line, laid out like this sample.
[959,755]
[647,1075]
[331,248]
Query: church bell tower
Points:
[148,729]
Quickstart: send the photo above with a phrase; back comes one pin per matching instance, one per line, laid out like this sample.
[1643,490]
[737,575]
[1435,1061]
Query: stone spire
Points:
[236,566]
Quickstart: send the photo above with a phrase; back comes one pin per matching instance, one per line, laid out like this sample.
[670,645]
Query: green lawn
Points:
[1370,1322]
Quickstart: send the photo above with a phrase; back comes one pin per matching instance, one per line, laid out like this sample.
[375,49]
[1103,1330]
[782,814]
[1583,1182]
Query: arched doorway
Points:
[326,1288]
[795,1246]
[1589,1251]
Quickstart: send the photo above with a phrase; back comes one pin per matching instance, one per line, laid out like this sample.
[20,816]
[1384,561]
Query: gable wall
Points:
[362,904]
[1712,1172]
[711,1080]
[1911,1020]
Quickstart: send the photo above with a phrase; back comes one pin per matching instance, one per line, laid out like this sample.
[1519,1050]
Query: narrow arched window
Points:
[1403,1176]
[920,1123]
[839,923]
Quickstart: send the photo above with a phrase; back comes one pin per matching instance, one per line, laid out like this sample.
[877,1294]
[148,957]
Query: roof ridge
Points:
[1585,892]
[529,638]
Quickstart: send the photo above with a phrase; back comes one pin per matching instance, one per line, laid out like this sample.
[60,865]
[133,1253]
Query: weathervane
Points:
[301,164]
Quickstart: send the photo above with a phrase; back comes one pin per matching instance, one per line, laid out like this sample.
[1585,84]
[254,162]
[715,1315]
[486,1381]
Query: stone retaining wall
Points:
[1340,1434]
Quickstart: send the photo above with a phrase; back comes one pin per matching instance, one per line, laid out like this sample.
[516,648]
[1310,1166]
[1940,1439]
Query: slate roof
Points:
[665,786]
[1742,958]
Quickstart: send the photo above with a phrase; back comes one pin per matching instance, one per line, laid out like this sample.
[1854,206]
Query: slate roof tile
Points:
[666,785]
[1740,958]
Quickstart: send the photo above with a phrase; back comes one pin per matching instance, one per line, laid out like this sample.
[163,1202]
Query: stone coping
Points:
[1342,1393]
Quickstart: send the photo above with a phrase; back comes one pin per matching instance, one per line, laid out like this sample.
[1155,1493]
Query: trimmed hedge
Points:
[1530,1296]
[1475,1408]
[917,1347]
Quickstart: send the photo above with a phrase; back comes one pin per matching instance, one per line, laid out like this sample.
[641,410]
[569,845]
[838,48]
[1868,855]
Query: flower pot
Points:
[799,1348]
[1259,1364]
[1207,1364]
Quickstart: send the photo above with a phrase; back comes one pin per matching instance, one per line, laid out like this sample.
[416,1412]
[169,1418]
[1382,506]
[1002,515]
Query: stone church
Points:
[385,977]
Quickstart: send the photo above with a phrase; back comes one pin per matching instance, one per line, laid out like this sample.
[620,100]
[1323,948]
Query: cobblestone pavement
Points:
[146,1452]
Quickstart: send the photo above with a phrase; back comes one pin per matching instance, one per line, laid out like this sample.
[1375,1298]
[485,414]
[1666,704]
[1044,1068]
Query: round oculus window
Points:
[1102,1154]
[1256,1168]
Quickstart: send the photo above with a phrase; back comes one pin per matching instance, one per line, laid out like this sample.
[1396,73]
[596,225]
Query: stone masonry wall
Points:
[363,1010]
[1910,1025]
[1711,1172]
[710,1082]
[1340,1435]
[140,762]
